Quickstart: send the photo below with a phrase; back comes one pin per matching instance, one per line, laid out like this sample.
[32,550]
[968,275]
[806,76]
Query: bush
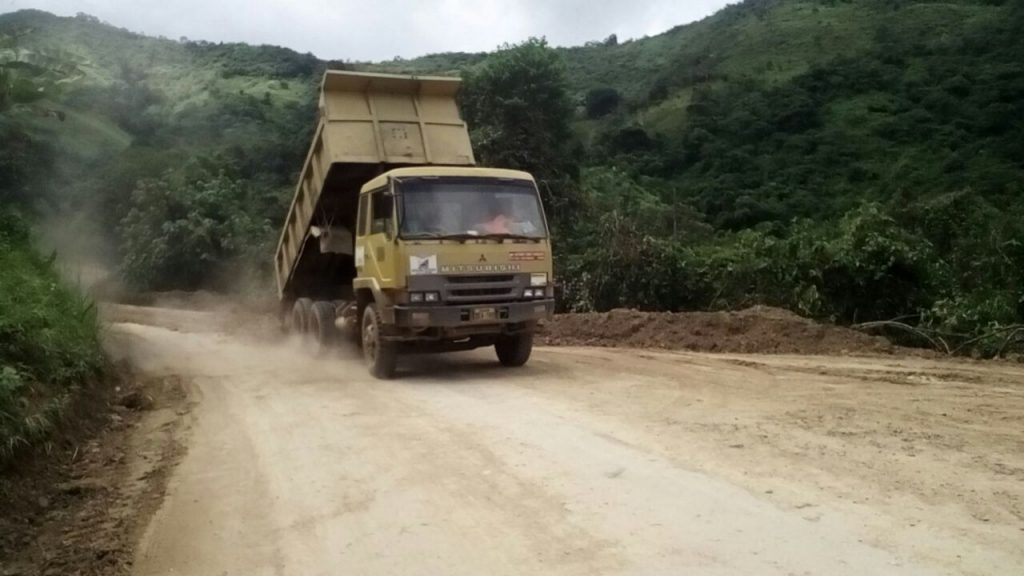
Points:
[627,246]
[980,256]
[19,154]
[865,268]
[192,228]
[602,102]
[48,340]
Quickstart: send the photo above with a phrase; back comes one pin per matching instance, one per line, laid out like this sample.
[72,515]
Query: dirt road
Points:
[588,461]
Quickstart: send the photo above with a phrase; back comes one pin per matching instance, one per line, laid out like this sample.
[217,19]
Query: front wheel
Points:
[381,356]
[514,351]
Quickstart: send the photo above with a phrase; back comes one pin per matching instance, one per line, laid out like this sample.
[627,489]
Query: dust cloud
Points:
[86,255]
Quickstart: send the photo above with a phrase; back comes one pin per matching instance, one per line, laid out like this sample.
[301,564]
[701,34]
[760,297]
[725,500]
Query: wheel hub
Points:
[370,341]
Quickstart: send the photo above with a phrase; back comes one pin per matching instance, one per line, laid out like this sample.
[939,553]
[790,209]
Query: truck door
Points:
[374,257]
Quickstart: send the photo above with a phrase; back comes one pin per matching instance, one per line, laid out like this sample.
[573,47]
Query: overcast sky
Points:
[383,29]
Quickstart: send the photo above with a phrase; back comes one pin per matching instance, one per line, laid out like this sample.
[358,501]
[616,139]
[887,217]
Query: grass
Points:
[49,343]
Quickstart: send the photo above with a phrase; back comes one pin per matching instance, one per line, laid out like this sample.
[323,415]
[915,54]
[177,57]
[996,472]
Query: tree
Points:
[27,79]
[27,76]
[517,105]
[190,229]
[602,101]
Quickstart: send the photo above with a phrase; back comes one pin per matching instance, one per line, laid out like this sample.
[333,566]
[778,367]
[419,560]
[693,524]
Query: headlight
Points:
[539,279]
[433,297]
[528,293]
[416,297]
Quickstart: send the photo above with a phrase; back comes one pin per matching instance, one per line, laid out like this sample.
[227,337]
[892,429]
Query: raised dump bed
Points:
[368,124]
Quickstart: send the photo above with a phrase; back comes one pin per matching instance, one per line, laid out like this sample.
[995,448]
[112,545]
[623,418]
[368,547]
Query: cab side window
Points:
[382,209]
[361,221]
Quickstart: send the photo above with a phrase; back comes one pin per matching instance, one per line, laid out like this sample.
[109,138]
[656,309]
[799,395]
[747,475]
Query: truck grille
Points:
[474,289]
[479,279]
[480,292]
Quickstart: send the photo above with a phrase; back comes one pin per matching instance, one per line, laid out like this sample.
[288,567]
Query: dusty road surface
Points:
[588,461]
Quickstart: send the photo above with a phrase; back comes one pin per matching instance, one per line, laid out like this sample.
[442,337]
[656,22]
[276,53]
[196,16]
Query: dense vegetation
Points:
[48,340]
[882,184]
[853,160]
[48,332]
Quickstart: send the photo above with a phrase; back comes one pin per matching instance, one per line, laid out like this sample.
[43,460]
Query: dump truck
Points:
[396,240]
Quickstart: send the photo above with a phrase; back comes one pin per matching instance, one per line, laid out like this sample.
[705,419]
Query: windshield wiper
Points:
[422,235]
[506,236]
[439,236]
[467,236]
[460,236]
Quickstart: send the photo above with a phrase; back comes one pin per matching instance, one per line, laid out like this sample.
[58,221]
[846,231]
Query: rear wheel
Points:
[514,350]
[381,356]
[321,326]
[300,315]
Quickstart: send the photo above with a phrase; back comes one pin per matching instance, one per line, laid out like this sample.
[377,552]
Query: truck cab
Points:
[452,259]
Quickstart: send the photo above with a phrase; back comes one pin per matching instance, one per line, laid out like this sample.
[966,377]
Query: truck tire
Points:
[514,351]
[300,315]
[381,357]
[321,326]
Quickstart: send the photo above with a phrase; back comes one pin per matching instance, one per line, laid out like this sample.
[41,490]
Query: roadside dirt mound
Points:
[758,330]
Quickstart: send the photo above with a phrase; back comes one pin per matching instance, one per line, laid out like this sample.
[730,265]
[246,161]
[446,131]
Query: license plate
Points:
[481,314]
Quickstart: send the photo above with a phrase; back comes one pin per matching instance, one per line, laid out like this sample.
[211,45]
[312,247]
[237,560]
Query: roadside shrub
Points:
[866,267]
[628,247]
[602,102]
[873,269]
[48,340]
[192,228]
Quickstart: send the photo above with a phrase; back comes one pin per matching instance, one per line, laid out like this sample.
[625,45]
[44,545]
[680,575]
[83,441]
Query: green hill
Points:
[773,109]
[858,159]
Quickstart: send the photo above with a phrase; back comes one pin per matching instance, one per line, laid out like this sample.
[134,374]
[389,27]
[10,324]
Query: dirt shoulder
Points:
[79,506]
[757,330]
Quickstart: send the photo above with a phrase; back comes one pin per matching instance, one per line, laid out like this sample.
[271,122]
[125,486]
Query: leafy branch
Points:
[1006,335]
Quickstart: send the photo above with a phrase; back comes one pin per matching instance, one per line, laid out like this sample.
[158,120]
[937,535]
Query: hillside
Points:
[853,160]
[866,155]
[746,59]
[902,95]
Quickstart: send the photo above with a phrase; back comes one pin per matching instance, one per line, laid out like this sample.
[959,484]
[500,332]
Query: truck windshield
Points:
[469,207]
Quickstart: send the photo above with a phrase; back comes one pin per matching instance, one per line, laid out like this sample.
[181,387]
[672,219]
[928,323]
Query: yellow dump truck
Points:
[396,238]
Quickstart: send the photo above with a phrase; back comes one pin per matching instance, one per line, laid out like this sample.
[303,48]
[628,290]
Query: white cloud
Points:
[382,29]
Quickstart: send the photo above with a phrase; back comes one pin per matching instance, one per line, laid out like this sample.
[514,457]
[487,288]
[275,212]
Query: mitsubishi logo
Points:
[482,258]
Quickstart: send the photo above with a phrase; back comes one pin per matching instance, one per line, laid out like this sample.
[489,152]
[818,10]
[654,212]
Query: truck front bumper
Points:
[452,316]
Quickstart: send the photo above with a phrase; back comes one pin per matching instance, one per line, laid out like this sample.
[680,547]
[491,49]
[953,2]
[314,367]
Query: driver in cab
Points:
[500,219]
[499,223]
